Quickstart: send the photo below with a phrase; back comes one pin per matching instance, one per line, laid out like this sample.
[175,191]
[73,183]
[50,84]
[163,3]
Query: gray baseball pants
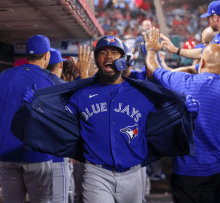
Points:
[72,184]
[61,181]
[19,178]
[102,185]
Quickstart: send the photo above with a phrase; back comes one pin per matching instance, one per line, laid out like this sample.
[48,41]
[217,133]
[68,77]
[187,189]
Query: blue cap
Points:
[214,8]
[55,56]
[38,44]
[108,41]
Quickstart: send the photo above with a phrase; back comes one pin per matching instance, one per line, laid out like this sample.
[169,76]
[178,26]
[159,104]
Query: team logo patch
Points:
[109,40]
[131,131]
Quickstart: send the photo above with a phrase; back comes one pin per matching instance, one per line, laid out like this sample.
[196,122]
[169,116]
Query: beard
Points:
[125,72]
[109,78]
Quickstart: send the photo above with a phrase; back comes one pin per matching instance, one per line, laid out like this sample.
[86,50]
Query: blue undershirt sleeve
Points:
[168,79]
[71,105]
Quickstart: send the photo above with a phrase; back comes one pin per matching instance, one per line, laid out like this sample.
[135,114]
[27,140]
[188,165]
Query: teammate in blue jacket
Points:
[22,171]
[195,178]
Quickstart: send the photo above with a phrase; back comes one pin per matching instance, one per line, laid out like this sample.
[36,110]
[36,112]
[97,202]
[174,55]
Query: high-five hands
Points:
[152,43]
[168,44]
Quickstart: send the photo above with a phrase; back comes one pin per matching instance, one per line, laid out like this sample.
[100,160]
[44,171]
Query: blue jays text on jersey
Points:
[102,107]
[112,123]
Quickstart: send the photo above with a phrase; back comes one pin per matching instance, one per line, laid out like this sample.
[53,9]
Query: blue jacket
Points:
[13,84]
[44,125]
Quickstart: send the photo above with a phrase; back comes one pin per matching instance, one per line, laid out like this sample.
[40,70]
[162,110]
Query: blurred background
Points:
[71,23]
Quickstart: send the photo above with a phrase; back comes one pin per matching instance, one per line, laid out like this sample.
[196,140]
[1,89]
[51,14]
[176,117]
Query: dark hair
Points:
[51,67]
[35,57]
[69,74]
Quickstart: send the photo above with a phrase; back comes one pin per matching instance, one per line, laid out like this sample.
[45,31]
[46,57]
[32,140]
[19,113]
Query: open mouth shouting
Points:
[109,67]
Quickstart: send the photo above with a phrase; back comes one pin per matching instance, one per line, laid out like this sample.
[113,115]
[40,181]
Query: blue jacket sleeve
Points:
[168,79]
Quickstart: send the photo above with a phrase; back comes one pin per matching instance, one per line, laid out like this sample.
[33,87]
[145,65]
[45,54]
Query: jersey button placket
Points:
[112,127]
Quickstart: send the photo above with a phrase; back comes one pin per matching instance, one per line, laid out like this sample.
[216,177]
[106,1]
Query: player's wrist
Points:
[175,50]
[151,51]
[84,74]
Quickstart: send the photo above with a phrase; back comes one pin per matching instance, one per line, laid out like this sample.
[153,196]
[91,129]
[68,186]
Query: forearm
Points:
[151,63]
[187,69]
[164,65]
[190,53]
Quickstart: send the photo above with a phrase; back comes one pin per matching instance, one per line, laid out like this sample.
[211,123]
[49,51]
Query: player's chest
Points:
[127,105]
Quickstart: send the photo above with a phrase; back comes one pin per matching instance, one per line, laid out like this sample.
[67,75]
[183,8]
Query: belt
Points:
[112,168]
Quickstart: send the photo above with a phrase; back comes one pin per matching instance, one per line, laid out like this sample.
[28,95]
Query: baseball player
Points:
[79,167]
[22,171]
[195,178]
[112,117]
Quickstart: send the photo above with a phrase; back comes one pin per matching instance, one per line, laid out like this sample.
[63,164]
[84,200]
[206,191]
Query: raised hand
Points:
[152,43]
[84,60]
[29,94]
[168,44]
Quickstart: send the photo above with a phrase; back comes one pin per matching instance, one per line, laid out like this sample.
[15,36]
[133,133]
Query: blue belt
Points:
[112,168]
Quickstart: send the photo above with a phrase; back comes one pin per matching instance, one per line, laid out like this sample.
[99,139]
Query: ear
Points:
[202,63]
[46,56]
[61,65]
[216,18]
